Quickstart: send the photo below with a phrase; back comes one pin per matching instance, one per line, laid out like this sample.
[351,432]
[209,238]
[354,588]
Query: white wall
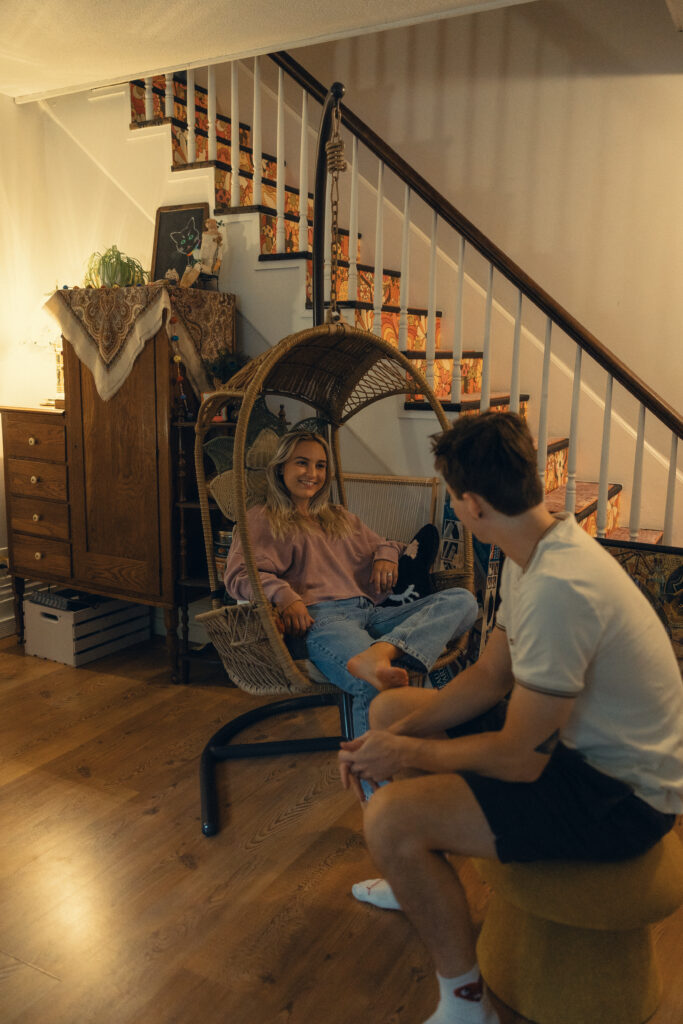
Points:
[555,128]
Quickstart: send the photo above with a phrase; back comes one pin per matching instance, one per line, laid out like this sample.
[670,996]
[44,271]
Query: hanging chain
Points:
[336,164]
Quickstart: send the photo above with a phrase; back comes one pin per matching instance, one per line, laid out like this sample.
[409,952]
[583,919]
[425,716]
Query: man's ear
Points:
[474,504]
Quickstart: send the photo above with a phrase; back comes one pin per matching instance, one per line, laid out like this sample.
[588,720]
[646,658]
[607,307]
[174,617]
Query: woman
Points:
[328,575]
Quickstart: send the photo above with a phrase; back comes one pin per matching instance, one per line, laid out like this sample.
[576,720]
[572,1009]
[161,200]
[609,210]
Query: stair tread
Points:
[466,402]
[586,497]
[645,536]
[473,399]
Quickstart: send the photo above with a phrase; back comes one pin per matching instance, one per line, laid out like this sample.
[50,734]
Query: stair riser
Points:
[556,469]
[590,522]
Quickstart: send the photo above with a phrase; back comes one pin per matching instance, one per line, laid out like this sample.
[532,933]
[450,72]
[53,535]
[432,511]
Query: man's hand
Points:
[384,575]
[375,756]
[296,619]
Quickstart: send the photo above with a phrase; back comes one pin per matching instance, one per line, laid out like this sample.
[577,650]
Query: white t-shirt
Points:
[578,626]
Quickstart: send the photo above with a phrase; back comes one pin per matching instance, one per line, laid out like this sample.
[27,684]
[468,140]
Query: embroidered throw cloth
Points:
[109,327]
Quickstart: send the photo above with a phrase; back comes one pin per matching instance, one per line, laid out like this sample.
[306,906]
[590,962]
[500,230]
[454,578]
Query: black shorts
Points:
[571,812]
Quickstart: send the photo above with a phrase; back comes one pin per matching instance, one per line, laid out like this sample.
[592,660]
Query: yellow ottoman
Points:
[570,943]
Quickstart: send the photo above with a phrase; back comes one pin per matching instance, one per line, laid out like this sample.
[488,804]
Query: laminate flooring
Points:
[115,909]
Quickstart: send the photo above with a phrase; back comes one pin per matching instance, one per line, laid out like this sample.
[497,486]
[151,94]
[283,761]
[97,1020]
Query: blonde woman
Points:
[329,575]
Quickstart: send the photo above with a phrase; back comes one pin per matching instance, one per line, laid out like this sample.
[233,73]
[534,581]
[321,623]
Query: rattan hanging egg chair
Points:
[338,370]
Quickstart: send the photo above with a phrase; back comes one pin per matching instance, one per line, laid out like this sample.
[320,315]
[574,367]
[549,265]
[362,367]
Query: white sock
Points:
[376,891]
[463,1001]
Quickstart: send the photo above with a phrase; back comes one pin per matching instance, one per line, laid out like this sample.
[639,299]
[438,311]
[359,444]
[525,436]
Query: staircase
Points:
[285,234]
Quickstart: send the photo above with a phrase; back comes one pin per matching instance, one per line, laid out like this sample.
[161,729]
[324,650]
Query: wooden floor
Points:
[115,909]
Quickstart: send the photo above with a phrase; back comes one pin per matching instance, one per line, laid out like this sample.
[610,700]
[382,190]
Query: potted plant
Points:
[113,269]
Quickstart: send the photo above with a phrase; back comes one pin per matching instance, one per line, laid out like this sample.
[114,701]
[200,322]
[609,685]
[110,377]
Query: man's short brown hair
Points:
[491,454]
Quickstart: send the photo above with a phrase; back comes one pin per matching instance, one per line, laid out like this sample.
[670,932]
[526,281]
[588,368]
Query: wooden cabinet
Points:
[36,489]
[101,496]
[98,494]
[120,480]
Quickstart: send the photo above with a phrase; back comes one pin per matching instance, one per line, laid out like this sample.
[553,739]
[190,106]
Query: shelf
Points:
[195,505]
[194,582]
[191,424]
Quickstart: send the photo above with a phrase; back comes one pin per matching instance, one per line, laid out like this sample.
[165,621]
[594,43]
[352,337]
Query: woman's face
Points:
[305,472]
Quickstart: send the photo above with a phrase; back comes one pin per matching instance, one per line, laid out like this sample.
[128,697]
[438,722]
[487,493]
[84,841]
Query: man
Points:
[588,764]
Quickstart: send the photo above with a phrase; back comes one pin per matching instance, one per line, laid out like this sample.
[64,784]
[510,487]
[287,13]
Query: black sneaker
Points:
[413,567]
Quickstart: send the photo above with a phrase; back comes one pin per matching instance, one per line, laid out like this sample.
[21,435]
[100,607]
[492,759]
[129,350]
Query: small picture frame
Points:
[177,234]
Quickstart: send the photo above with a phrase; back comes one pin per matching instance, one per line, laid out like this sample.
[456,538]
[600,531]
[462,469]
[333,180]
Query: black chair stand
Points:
[219,747]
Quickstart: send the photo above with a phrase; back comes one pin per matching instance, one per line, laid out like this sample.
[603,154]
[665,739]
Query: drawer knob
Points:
[38,555]
[36,517]
[34,479]
[31,441]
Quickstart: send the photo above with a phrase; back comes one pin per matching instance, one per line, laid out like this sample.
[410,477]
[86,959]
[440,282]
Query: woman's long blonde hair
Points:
[282,512]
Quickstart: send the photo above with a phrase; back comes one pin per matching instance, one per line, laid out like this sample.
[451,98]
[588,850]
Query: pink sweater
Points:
[308,567]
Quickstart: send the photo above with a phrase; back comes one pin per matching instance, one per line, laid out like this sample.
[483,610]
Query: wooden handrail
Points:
[500,260]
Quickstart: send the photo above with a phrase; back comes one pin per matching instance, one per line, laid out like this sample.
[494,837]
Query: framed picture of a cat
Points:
[177,234]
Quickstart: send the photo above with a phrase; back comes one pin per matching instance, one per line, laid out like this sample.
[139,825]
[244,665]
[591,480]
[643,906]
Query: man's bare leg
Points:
[408,825]
[388,707]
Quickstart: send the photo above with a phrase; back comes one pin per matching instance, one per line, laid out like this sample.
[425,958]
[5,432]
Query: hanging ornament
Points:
[336,165]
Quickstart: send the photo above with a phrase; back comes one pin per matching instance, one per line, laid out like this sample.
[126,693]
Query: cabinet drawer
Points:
[42,479]
[39,557]
[29,435]
[40,518]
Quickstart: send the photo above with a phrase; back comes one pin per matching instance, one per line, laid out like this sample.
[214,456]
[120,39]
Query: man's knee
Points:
[384,821]
[390,706]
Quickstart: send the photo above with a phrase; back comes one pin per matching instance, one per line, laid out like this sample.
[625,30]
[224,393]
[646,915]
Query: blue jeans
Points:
[420,630]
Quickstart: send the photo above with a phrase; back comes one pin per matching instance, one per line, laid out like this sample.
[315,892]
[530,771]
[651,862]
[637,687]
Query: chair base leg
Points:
[219,747]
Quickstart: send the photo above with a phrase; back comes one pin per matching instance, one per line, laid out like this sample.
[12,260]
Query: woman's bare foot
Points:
[374,666]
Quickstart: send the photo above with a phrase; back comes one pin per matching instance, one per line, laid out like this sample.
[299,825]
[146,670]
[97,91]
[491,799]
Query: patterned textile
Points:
[658,572]
[109,327]
[208,318]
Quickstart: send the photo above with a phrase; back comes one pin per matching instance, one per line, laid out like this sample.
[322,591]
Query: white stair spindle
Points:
[670,493]
[378,277]
[256,147]
[637,489]
[280,185]
[456,379]
[235,195]
[353,224]
[211,111]
[191,119]
[149,99]
[431,309]
[303,175]
[169,101]
[514,377]
[603,485]
[570,495]
[486,361]
[542,454]
[405,273]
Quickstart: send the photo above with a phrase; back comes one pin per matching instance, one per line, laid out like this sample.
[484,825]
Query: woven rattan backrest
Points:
[394,507]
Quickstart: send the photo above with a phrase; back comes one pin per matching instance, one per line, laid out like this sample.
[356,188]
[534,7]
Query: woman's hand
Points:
[296,619]
[384,575]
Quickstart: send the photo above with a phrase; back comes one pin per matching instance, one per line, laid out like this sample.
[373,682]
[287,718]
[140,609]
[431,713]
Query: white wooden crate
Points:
[77,637]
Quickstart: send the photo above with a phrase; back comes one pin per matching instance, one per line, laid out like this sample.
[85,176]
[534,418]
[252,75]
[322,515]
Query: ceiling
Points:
[68,45]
